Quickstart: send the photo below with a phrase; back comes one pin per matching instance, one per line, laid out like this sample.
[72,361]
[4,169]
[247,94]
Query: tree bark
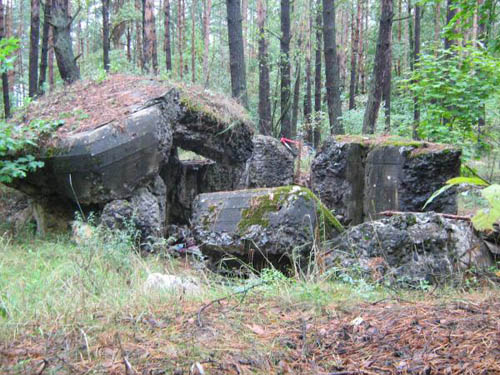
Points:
[193,42]
[45,47]
[167,43]
[148,34]
[264,88]
[207,9]
[308,92]
[450,13]
[236,52]
[416,56]
[105,34]
[332,68]
[317,78]
[138,36]
[63,46]
[386,91]
[180,42]
[5,77]
[34,40]
[295,105]
[286,130]
[354,56]
[379,68]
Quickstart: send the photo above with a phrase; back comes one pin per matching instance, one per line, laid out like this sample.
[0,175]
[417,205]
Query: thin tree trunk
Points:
[147,34]
[51,60]
[286,130]
[105,34]
[416,56]
[236,53]
[129,43]
[295,105]
[206,38]
[193,42]
[5,77]
[180,28]
[450,13]
[34,40]
[386,91]
[400,29]
[138,36]
[354,56]
[437,26]
[317,78]
[45,47]
[308,92]
[332,68]
[63,46]
[482,38]
[264,101]
[379,67]
[167,43]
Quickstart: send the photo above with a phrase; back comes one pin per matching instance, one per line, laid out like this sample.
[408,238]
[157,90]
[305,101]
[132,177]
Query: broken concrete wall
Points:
[276,222]
[358,178]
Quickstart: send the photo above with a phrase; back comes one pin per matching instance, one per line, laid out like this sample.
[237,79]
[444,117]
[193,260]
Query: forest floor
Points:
[68,309]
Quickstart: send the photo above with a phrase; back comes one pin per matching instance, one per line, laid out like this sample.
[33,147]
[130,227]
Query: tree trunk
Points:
[118,29]
[317,78]
[295,105]
[386,91]
[51,60]
[138,36]
[193,42]
[206,38]
[264,102]
[5,78]
[105,34]
[400,33]
[379,68]
[236,53]
[437,26]
[34,40]
[354,56]
[148,34]
[45,47]
[332,68]
[308,92]
[416,56]
[450,13]
[63,46]
[286,130]
[167,43]
[180,44]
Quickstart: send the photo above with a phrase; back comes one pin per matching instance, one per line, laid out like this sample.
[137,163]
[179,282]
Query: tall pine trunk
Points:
[379,67]
[5,77]
[207,9]
[63,46]
[308,91]
[45,46]
[317,78]
[332,68]
[34,40]
[236,52]
[264,86]
[295,105]
[286,130]
[138,35]
[105,34]
[354,56]
[167,44]
[193,42]
[416,56]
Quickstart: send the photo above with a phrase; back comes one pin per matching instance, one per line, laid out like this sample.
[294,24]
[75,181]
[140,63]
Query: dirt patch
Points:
[257,336]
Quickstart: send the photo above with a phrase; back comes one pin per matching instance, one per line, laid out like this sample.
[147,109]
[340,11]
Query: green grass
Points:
[84,307]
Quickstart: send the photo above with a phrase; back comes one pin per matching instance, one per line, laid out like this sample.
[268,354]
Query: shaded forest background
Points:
[425,69]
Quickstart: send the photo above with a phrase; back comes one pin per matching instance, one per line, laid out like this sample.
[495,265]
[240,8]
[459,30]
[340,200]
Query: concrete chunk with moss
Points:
[283,221]
[358,177]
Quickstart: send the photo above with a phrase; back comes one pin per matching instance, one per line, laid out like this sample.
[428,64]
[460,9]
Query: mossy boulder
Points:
[271,222]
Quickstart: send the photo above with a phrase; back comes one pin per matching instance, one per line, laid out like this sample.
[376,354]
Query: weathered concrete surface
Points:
[358,178]
[270,165]
[278,221]
[188,178]
[409,249]
[145,209]
[337,176]
[112,161]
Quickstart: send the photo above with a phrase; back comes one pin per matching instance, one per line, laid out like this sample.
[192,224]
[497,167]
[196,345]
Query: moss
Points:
[261,206]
